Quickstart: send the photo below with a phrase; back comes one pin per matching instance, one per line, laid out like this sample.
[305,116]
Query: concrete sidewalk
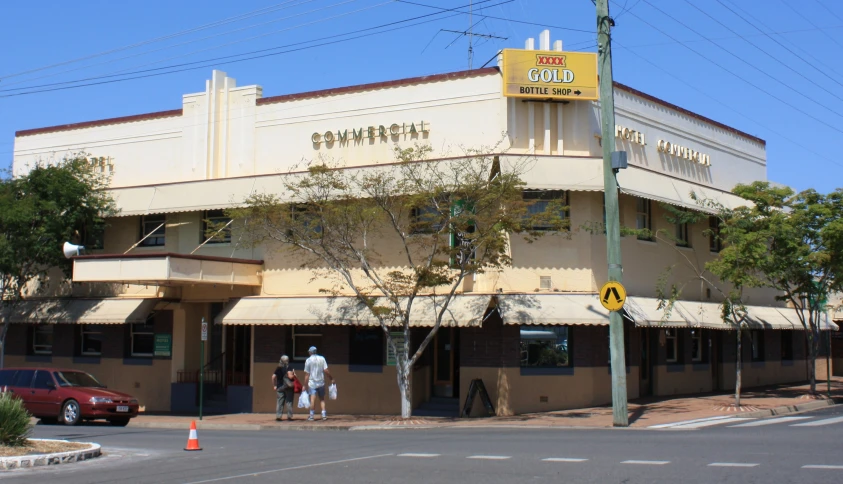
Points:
[756,402]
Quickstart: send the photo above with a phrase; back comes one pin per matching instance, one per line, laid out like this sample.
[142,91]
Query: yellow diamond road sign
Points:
[612,295]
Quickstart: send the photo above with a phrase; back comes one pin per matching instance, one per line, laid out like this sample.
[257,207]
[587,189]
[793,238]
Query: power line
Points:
[829,10]
[756,20]
[727,106]
[111,61]
[215,61]
[732,73]
[500,18]
[157,39]
[797,12]
[122,72]
[762,50]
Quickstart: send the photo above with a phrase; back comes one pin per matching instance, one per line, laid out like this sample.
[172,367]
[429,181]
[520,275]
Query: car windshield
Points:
[76,379]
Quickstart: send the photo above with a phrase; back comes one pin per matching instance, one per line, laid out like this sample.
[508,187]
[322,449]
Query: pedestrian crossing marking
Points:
[817,423]
[709,423]
[769,421]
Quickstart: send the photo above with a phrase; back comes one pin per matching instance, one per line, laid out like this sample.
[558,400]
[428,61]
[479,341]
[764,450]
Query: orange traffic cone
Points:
[192,439]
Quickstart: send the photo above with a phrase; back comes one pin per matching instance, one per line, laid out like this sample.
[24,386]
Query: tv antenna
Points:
[470,34]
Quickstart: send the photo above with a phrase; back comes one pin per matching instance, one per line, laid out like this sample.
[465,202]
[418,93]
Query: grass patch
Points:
[33,447]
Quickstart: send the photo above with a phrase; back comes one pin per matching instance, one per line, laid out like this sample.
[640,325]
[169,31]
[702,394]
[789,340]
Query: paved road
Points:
[770,453]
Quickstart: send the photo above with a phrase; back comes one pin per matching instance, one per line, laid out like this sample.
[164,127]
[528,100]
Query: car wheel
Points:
[71,413]
[119,422]
[49,420]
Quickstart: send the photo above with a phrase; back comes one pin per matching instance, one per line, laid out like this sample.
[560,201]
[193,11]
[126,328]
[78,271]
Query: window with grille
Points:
[155,227]
[538,202]
[214,226]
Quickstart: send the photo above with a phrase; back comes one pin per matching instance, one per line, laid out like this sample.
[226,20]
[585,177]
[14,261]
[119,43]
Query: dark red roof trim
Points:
[380,85]
[100,122]
[149,255]
[656,100]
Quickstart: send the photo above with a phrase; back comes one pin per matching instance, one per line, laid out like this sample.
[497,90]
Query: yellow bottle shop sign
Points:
[545,74]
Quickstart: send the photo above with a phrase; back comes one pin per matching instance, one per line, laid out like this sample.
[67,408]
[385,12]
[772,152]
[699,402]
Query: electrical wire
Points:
[797,12]
[500,18]
[742,79]
[215,61]
[236,18]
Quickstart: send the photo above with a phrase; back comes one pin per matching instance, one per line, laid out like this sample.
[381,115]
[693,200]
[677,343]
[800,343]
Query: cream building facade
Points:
[133,313]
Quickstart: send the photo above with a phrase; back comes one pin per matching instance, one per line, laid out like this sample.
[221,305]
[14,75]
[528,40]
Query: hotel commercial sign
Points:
[550,75]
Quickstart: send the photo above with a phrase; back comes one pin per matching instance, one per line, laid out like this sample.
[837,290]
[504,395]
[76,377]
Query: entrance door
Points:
[645,370]
[443,363]
[238,355]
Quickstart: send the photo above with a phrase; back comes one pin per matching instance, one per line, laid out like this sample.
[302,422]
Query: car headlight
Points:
[101,400]
[133,401]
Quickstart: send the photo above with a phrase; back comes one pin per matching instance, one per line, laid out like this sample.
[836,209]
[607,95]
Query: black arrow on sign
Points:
[577,92]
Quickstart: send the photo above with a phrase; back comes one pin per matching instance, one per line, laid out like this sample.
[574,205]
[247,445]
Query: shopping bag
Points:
[304,399]
[297,388]
[332,391]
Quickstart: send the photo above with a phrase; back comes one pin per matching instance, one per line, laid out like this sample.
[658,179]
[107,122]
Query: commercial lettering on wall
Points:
[679,151]
[394,130]
[630,135]
[549,75]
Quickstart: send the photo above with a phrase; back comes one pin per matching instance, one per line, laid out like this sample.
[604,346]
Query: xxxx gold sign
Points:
[540,74]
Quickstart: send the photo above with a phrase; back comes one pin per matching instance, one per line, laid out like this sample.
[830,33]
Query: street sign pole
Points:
[204,338]
[620,415]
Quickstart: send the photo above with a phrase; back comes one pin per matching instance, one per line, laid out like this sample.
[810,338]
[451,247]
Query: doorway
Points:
[714,359]
[645,368]
[238,355]
[445,363]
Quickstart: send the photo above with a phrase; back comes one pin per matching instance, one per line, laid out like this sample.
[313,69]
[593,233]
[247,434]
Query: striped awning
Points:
[552,309]
[462,311]
[80,311]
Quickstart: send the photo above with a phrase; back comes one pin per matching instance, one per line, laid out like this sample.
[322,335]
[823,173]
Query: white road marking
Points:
[490,457]
[668,425]
[822,467]
[419,455]
[817,423]
[647,462]
[306,466]
[563,459]
[732,464]
[768,421]
[710,423]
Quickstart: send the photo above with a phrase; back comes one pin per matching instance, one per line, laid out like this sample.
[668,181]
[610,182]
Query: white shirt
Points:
[315,367]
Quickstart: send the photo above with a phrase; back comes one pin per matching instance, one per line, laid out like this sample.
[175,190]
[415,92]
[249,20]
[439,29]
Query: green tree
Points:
[728,281]
[39,211]
[795,245]
[440,221]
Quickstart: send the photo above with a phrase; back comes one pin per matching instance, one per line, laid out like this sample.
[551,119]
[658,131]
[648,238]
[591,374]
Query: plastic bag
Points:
[304,399]
[332,391]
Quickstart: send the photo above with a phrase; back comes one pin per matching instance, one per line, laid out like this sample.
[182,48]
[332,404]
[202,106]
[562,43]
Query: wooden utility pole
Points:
[620,415]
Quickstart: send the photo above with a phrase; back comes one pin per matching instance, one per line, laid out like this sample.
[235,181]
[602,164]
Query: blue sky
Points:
[786,88]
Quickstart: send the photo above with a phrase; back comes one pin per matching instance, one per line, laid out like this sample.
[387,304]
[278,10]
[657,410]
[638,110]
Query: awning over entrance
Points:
[80,311]
[166,269]
[689,314]
[463,311]
[552,309]
[662,188]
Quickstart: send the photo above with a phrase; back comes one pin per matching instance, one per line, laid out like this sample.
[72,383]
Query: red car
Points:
[68,396]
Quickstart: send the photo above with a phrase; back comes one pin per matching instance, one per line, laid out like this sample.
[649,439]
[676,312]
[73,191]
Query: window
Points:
[150,226]
[682,239]
[366,346]
[303,338]
[23,379]
[309,216]
[757,344]
[214,225]
[696,346]
[545,346]
[142,339]
[43,380]
[671,346]
[538,202]
[76,379]
[643,218]
[91,339]
[714,242]
[787,345]
[6,377]
[426,220]
[42,339]
[93,237]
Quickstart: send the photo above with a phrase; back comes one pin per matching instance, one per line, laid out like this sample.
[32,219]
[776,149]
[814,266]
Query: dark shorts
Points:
[318,391]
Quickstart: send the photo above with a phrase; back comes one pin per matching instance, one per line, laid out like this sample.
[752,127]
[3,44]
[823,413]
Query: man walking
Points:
[315,369]
[282,382]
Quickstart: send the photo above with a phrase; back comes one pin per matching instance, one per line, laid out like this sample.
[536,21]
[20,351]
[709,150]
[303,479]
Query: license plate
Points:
[122,408]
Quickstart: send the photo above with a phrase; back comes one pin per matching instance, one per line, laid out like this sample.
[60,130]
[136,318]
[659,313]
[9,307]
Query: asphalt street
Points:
[769,451]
